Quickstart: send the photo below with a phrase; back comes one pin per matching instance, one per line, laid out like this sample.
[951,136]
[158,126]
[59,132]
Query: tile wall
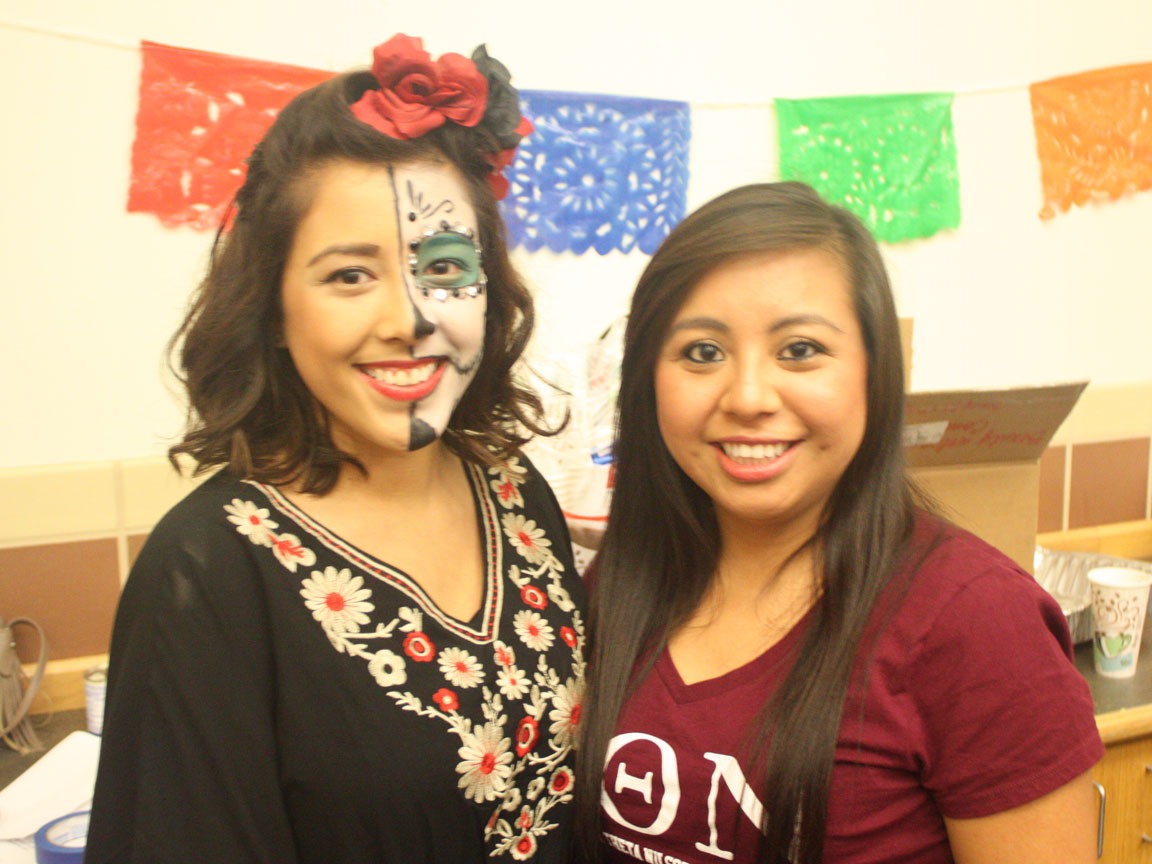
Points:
[68,534]
[1098,470]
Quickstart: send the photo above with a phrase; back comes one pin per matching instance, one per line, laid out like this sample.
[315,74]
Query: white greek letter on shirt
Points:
[725,768]
[668,776]
[737,784]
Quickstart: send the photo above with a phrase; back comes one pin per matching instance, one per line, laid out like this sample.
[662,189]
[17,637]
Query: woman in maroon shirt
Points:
[792,660]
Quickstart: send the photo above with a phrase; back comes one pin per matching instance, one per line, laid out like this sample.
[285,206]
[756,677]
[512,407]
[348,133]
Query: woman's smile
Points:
[407,381]
[761,386]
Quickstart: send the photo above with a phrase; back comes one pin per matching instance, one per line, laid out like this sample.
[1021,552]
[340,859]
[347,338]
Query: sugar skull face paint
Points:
[446,281]
[384,300]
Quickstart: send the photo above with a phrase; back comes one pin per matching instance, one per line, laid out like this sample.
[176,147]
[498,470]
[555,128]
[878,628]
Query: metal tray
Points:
[1064,575]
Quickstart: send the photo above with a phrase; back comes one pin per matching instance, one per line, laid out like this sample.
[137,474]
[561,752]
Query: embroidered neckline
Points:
[493,559]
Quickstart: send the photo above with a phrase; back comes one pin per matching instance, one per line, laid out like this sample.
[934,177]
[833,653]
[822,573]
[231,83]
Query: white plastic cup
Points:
[1119,603]
[95,684]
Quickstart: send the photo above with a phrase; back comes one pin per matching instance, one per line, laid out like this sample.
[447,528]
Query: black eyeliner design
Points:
[426,211]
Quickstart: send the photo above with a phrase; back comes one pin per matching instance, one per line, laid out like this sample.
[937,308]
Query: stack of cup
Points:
[1119,604]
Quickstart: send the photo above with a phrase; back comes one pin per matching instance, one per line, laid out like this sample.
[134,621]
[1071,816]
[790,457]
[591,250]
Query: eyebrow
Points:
[703,322]
[366,250]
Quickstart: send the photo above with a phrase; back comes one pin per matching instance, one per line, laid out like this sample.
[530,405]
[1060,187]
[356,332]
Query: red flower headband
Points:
[418,95]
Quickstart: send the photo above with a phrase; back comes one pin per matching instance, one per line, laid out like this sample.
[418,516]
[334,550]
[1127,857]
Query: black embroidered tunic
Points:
[277,695]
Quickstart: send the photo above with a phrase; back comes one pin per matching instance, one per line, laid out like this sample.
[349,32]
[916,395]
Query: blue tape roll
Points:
[62,840]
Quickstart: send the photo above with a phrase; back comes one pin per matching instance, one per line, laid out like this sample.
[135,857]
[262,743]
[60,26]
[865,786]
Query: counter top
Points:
[51,731]
[1123,705]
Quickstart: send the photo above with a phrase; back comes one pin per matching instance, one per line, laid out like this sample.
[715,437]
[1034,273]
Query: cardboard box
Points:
[977,452]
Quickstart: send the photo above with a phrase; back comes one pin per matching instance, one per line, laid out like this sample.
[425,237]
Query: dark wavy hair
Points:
[248,408]
[662,542]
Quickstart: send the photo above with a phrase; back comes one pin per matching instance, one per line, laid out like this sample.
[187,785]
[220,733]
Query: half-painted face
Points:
[384,299]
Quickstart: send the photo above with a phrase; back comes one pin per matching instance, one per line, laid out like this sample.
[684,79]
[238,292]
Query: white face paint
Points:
[446,281]
[384,307]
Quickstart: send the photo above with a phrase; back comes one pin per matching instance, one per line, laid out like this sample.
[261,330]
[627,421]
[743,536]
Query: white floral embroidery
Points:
[387,667]
[533,630]
[525,845]
[512,682]
[251,521]
[509,477]
[505,654]
[526,538]
[535,788]
[291,553]
[485,765]
[565,715]
[460,667]
[505,760]
[337,599]
[562,782]
[560,597]
[512,799]
[413,619]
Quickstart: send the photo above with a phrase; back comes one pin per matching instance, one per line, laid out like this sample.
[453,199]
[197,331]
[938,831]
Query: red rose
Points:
[418,94]
[526,734]
[419,647]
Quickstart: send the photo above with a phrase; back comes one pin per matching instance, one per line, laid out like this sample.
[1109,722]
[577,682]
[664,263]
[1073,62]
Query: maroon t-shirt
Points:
[970,706]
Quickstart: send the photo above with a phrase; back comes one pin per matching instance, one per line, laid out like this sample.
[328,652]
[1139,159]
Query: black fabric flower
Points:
[502,115]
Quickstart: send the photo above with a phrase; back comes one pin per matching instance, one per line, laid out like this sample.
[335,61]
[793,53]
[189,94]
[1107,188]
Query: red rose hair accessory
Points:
[418,95]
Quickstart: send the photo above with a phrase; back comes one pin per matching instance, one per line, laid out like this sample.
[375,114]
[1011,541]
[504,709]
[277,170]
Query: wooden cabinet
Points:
[1126,775]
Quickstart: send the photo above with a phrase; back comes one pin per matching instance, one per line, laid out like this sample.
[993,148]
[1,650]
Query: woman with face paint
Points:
[793,660]
[361,639]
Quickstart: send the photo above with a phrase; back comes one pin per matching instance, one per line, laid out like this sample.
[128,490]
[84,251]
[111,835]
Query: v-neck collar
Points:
[481,627]
[781,651]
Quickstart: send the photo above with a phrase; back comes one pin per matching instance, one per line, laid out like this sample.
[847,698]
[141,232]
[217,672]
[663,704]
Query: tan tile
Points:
[1109,412]
[1051,516]
[1108,483]
[151,487]
[135,544]
[57,500]
[69,589]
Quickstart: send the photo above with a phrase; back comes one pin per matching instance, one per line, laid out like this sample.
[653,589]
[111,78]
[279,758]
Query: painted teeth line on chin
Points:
[754,452]
[401,377]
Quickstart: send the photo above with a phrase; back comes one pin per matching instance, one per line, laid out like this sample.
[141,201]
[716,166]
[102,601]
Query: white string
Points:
[106,41]
[125,44]
[977,91]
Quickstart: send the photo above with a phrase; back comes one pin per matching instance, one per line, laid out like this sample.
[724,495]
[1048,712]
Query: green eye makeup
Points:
[445,262]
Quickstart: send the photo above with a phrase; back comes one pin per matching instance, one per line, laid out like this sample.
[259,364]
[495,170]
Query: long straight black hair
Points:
[662,542]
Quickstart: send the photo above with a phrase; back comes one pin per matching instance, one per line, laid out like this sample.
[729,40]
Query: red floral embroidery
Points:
[525,847]
[289,548]
[569,636]
[534,597]
[419,647]
[561,781]
[446,699]
[527,733]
